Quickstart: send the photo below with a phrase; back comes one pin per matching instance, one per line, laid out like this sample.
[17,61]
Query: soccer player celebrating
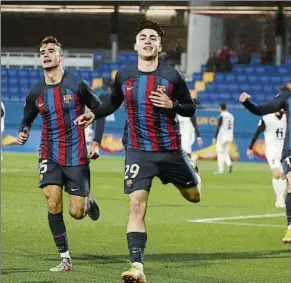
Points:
[281,101]
[274,128]
[223,139]
[153,93]
[60,98]
[188,129]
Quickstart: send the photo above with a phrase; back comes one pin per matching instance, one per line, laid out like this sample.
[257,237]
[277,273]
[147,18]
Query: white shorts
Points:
[273,155]
[222,147]
[187,140]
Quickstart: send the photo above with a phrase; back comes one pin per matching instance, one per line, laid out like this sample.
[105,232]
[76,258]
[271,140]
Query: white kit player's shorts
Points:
[223,146]
[273,155]
[187,140]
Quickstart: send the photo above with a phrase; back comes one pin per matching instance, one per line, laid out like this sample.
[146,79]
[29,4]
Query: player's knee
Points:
[54,206]
[277,174]
[76,213]
[195,197]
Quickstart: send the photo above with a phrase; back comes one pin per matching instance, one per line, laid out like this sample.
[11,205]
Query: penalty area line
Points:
[206,220]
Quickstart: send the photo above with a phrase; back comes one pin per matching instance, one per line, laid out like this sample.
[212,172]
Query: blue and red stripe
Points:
[149,112]
[74,133]
[81,135]
[53,136]
[44,146]
[170,123]
[132,135]
[61,126]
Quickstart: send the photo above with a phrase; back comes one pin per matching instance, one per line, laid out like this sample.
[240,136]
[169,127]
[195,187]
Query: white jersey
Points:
[275,130]
[227,127]
[2,118]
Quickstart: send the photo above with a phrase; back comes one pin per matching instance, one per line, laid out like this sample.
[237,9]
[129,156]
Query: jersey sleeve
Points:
[261,128]
[99,130]
[29,113]
[113,101]
[272,106]
[88,97]
[2,112]
[194,123]
[218,126]
[183,104]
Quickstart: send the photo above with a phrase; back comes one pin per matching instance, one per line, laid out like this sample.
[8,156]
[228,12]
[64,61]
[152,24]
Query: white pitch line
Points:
[247,224]
[205,220]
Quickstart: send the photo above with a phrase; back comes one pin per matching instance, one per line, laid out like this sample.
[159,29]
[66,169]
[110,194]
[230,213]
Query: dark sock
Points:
[136,244]
[288,208]
[58,229]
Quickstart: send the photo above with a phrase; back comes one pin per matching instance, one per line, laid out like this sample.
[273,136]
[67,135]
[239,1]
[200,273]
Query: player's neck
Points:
[147,66]
[53,76]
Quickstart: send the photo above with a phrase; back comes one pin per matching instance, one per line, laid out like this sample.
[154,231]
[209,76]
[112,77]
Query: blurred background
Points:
[222,48]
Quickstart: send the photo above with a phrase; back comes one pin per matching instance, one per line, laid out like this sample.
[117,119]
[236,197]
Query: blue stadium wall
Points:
[245,125]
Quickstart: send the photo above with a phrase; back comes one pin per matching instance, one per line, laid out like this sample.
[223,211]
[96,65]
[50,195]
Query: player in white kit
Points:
[223,139]
[189,129]
[274,127]
[2,123]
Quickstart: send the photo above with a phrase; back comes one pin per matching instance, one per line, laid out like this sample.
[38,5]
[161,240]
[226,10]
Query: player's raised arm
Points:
[272,106]
[261,128]
[29,114]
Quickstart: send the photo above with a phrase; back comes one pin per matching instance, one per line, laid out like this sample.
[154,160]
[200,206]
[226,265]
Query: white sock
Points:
[199,185]
[65,255]
[139,265]
[277,185]
[283,187]
[220,162]
[227,160]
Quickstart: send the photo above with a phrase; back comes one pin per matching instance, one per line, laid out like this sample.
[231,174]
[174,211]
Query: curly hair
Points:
[148,24]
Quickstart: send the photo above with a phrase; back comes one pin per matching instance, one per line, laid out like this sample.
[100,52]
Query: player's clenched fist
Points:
[243,97]
[22,137]
[85,120]
[93,151]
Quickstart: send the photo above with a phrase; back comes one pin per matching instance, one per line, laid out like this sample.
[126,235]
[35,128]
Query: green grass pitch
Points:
[178,251]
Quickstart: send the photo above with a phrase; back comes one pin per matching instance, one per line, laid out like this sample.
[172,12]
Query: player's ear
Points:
[134,47]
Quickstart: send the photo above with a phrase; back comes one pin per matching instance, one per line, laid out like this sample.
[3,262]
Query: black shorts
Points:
[75,179]
[170,166]
[286,164]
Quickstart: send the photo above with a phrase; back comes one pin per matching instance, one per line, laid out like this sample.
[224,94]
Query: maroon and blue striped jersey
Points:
[59,105]
[147,127]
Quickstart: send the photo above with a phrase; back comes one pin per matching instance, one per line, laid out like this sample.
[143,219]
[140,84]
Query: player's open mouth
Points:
[148,48]
[47,61]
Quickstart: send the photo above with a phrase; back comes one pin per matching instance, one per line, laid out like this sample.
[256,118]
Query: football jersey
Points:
[59,105]
[227,127]
[275,129]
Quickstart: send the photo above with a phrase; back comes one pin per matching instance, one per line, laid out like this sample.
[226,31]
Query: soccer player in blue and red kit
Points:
[153,93]
[64,161]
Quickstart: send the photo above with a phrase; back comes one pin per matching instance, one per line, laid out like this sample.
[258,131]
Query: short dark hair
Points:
[150,25]
[223,106]
[51,39]
[286,87]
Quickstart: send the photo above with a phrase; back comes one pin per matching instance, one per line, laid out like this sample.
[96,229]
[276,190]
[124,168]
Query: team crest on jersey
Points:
[67,98]
[162,88]
[129,183]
